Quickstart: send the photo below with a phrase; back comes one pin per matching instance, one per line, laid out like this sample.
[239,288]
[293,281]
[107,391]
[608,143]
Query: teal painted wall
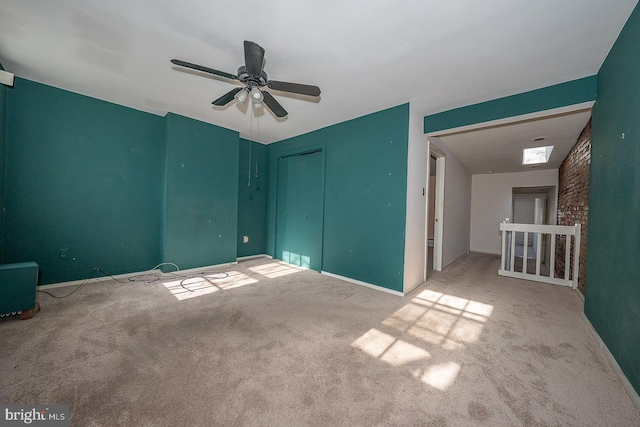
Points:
[560,95]
[80,174]
[252,198]
[365,194]
[300,209]
[201,203]
[117,188]
[612,290]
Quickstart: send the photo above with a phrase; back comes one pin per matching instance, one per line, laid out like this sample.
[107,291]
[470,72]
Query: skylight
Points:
[536,155]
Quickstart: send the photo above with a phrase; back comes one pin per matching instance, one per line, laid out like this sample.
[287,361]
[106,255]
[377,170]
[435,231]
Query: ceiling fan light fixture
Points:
[256,97]
[242,95]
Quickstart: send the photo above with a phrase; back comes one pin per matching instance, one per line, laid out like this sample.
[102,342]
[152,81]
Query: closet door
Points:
[299,214]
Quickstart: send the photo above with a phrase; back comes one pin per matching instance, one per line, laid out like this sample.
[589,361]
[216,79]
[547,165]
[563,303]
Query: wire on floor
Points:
[149,276]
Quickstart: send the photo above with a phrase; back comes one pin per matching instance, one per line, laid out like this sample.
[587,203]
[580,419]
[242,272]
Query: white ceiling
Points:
[365,55]
[498,149]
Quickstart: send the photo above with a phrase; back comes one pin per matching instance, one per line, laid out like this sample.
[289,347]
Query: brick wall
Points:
[573,200]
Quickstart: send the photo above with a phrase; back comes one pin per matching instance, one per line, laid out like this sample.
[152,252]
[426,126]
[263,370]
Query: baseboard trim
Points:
[92,280]
[361,283]
[248,257]
[127,275]
[633,394]
[206,267]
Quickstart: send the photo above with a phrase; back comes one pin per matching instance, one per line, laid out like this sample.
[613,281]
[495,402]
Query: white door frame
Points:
[439,209]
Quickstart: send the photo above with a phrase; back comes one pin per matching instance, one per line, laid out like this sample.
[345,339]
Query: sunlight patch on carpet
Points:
[207,284]
[389,349]
[439,376]
[442,319]
[430,319]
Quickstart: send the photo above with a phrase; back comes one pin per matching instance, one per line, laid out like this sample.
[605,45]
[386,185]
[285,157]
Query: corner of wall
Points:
[252,198]
[163,194]
[415,227]
[3,129]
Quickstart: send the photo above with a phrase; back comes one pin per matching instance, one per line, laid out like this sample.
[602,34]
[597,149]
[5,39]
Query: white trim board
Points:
[633,394]
[361,283]
[127,275]
[569,109]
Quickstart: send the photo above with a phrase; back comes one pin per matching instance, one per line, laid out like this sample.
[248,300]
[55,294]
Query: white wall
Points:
[457,206]
[414,254]
[524,210]
[491,203]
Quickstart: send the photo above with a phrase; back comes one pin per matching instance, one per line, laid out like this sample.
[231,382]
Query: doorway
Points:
[434,210]
[530,205]
[299,209]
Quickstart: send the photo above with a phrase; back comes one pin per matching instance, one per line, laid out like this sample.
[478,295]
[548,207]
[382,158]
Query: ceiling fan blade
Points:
[204,69]
[294,88]
[273,105]
[253,58]
[227,97]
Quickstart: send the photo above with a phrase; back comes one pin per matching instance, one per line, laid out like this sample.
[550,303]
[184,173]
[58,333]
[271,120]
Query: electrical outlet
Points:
[63,253]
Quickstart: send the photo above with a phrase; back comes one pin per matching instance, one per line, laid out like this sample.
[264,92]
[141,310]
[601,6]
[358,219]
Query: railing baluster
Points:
[512,261]
[538,255]
[525,252]
[567,256]
[576,256]
[503,252]
[552,258]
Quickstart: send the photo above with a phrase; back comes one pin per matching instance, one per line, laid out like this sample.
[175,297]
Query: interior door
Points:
[299,210]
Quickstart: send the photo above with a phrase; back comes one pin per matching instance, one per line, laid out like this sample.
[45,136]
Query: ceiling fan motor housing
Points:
[250,80]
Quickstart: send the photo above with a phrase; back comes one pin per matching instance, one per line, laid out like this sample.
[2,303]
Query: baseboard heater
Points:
[18,289]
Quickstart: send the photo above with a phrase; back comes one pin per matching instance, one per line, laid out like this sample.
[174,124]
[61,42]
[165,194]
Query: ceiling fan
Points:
[253,78]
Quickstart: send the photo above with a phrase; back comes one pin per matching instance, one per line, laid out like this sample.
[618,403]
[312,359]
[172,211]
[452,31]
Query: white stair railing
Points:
[540,232]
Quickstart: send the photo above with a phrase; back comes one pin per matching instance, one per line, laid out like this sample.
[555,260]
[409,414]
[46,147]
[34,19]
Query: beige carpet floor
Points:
[273,345]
